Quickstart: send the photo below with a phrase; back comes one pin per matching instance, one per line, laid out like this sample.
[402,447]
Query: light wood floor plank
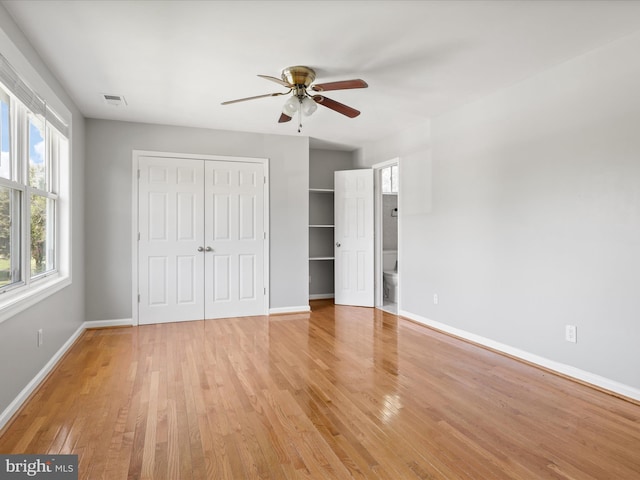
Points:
[342,392]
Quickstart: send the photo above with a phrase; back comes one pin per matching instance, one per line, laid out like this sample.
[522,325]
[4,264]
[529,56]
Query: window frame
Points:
[393,179]
[30,288]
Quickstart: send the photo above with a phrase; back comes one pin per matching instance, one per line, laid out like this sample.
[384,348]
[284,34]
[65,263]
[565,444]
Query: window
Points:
[9,201]
[33,147]
[9,235]
[390,179]
[37,154]
[28,194]
[5,156]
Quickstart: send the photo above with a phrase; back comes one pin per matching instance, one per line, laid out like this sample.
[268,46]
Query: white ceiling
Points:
[176,61]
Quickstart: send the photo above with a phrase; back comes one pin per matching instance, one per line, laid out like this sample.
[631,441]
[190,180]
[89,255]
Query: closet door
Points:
[234,239]
[171,256]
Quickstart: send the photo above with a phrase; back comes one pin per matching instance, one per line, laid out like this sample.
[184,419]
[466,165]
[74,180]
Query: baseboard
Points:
[121,322]
[35,382]
[583,376]
[302,309]
[321,296]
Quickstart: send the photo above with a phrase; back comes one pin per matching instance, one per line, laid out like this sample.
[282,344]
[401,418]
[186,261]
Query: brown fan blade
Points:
[277,80]
[253,98]
[337,106]
[341,85]
[284,118]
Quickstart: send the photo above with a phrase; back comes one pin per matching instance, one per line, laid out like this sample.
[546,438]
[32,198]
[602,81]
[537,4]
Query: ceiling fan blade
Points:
[253,98]
[277,80]
[337,106]
[284,118]
[341,85]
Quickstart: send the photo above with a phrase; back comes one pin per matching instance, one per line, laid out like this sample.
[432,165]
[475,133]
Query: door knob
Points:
[208,249]
[337,244]
[200,249]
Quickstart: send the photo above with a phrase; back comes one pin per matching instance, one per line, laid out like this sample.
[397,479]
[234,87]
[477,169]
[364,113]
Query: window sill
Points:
[15,301]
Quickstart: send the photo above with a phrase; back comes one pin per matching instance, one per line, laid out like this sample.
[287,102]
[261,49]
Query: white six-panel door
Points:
[234,236]
[354,238]
[171,226]
[201,242]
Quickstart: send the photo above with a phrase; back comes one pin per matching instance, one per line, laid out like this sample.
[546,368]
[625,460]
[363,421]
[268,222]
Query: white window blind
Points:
[29,97]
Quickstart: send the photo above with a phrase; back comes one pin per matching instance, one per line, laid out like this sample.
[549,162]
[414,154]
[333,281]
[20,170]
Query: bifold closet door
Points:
[171,259]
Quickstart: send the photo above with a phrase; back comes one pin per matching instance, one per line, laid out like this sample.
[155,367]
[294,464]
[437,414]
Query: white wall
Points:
[324,163]
[389,222]
[522,212]
[60,314]
[109,205]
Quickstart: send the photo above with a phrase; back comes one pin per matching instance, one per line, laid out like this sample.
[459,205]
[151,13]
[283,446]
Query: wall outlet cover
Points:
[571,333]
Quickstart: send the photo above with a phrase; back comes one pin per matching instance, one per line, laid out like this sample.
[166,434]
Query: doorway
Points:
[200,242]
[387,245]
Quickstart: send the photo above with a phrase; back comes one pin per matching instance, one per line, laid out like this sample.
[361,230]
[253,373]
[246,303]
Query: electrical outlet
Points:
[435,298]
[40,337]
[571,333]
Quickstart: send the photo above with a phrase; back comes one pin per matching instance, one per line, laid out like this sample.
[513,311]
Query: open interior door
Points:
[354,238]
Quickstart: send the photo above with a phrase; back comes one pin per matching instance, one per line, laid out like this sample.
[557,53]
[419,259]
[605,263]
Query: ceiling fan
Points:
[298,79]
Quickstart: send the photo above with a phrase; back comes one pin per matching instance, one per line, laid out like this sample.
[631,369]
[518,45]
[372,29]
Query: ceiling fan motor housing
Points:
[299,75]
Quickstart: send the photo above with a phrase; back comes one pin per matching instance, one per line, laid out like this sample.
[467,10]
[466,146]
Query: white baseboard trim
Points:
[302,309]
[120,322]
[321,296]
[17,402]
[576,373]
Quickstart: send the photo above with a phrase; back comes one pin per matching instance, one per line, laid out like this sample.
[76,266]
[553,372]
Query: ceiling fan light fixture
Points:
[290,107]
[308,106]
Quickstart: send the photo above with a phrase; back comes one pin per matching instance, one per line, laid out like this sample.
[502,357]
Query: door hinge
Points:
[138,298]
[138,236]
[264,235]
[138,174]
[264,180]
[265,290]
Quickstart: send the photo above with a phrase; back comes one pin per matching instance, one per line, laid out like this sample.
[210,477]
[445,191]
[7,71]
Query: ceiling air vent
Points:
[115,100]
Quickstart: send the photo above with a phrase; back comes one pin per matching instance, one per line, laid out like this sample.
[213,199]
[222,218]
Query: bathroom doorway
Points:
[387,245]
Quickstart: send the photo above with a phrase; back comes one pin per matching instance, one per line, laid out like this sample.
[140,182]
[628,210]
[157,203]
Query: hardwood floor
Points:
[340,393]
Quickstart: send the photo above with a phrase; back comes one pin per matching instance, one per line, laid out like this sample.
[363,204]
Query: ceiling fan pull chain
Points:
[299,117]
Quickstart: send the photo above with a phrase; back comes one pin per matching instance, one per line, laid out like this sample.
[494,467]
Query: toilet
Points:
[390,275]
